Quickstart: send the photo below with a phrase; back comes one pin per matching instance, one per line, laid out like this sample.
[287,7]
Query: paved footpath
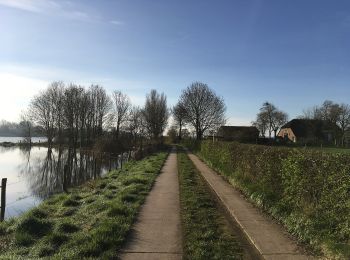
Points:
[157,231]
[268,237]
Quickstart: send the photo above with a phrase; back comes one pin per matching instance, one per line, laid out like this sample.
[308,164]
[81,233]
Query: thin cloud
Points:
[79,15]
[65,9]
[36,6]
[48,7]
[115,22]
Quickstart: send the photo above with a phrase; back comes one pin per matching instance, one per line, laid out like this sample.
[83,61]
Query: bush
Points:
[307,190]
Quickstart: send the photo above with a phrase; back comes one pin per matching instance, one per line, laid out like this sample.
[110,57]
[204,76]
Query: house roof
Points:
[228,130]
[310,127]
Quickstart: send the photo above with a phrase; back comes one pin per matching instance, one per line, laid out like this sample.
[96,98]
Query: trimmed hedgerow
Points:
[306,190]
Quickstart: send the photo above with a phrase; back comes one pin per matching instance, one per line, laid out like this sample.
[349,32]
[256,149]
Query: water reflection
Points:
[60,169]
[37,173]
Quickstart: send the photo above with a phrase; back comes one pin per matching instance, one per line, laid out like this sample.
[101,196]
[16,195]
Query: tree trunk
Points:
[199,135]
[180,132]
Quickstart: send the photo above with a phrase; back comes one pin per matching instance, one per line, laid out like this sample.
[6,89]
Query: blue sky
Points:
[293,53]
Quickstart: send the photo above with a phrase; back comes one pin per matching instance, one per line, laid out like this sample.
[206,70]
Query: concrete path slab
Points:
[157,232]
[268,237]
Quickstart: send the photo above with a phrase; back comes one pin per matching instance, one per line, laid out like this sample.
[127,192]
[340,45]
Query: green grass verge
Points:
[92,221]
[206,233]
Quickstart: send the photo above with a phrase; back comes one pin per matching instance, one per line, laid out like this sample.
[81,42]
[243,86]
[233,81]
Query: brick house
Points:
[311,131]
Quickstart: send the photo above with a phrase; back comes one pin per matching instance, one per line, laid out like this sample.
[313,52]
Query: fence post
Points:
[95,167]
[3,198]
[121,161]
[110,162]
[65,173]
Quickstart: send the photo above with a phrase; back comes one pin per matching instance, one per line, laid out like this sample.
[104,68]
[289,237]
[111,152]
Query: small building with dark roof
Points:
[247,134]
[311,131]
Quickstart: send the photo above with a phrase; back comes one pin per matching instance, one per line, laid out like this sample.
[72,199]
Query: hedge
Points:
[308,191]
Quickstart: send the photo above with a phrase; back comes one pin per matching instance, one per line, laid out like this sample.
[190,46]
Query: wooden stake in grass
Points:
[3,198]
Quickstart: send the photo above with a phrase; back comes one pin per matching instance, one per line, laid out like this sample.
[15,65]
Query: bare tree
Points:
[73,96]
[344,120]
[42,112]
[172,133]
[261,123]
[99,107]
[136,124]
[279,119]
[179,115]
[270,119]
[121,108]
[329,111]
[204,109]
[309,113]
[156,114]
[55,93]
[27,126]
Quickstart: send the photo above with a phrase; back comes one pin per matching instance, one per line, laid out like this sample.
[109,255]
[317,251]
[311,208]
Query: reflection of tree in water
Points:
[58,170]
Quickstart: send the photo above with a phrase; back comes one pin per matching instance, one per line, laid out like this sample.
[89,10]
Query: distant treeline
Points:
[11,129]
[81,116]
[88,116]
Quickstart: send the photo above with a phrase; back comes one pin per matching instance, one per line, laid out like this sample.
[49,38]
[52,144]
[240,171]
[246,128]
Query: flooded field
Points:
[35,174]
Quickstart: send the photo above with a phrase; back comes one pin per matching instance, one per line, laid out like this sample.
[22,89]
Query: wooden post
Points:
[3,198]
[121,161]
[110,162]
[95,167]
[65,173]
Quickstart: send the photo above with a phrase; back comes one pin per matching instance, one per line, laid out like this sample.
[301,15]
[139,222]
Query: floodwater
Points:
[35,174]
[21,139]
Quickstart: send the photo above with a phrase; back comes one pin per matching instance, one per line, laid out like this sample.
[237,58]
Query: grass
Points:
[205,231]
[92,221]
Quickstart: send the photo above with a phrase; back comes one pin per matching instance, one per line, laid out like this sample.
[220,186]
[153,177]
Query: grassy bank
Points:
[306,190]
[92,221]
[206,234]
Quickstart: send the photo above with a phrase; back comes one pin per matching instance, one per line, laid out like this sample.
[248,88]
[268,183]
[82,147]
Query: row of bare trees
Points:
[72,112]
[78,116]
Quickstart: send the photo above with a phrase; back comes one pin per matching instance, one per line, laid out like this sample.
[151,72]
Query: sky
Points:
[293,53]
